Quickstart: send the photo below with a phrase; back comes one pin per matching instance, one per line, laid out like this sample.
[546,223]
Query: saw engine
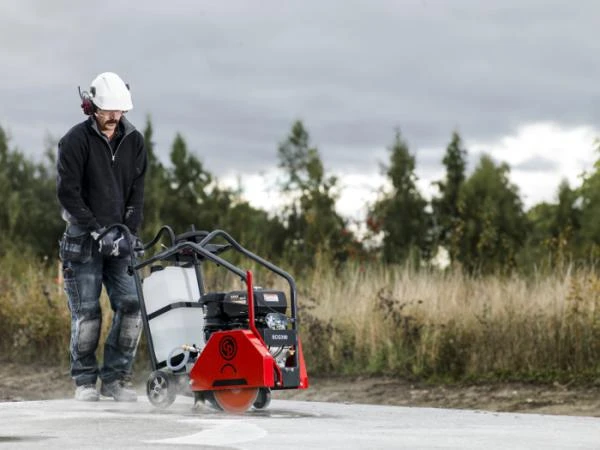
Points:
[227,349]
[229,311]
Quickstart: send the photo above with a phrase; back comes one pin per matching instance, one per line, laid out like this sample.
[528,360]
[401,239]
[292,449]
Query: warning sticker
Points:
[270,297]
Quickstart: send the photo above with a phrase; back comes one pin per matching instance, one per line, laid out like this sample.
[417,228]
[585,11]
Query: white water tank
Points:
[182,320]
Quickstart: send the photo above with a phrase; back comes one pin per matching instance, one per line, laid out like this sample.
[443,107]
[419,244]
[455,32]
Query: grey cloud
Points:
[232,76]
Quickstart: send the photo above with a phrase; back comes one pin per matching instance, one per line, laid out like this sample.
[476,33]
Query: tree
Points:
[186,195]
[256,230]
[311,219]
[566,226]
[492,225]
[30,218]
[156,185]
[589,201]
[190,195]
[5,182]
[555,229]
[445,207]
[400,213]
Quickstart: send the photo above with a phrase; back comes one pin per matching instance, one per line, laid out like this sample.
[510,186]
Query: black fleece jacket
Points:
[98,185]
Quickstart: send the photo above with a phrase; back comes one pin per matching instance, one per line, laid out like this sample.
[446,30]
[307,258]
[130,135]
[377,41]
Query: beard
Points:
[108,127]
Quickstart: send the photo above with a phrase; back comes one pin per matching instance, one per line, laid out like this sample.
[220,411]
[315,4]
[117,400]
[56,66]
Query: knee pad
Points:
[130,329]
[87,334]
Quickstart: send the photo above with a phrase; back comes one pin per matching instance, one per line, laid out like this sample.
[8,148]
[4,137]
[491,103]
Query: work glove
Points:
[138,246]
[113,243]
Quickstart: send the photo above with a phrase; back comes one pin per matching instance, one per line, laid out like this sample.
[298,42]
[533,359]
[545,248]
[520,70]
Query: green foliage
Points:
[492,227]
[313,226]
[589,194]
[185,194]
[542,250]
[400,214]
[445,207]
[156,185]
[555,239]
[29,216]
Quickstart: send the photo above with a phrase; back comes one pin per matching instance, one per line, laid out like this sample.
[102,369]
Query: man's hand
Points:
[113,243]
[96,233]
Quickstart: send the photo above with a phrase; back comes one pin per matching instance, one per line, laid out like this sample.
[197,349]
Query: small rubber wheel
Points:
[263,400]
[161,389]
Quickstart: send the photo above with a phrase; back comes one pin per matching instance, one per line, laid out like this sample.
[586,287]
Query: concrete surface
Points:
[66,424]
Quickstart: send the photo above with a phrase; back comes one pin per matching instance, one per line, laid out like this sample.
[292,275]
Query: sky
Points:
[518,79]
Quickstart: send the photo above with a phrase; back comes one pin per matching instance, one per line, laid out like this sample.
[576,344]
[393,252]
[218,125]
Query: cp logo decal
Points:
[228,348]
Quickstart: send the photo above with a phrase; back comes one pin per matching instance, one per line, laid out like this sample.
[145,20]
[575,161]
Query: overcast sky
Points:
[519,79]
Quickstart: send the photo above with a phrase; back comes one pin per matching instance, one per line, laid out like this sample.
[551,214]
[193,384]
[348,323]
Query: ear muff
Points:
[87,105]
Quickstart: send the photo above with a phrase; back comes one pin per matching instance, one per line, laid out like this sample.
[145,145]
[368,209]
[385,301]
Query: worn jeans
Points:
[85,270]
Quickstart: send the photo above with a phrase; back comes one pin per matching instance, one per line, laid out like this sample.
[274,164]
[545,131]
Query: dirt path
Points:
[507,397]
[18,383]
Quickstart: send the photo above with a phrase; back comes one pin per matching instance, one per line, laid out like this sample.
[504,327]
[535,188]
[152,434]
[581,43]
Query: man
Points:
[101,167]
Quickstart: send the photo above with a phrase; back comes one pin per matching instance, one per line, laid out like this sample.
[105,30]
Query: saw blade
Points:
[236,401]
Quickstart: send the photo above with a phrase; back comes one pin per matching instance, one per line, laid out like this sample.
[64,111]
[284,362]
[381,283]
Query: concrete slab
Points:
[66,424]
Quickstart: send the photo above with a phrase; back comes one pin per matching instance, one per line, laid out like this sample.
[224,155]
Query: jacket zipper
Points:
[113,154]
[107,142]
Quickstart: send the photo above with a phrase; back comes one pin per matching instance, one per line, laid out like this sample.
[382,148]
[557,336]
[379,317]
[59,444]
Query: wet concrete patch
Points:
[5,439]
[282,414]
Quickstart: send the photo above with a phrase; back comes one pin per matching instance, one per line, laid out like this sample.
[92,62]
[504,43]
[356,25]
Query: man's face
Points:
[108,120]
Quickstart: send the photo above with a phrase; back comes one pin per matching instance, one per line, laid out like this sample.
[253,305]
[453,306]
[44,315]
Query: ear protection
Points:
[87,105]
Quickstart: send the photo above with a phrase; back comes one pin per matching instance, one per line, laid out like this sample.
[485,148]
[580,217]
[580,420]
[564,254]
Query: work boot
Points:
[120,390]
[86,393]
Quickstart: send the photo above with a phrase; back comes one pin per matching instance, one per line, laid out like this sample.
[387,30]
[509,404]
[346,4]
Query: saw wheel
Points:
[160,389]
[236,401]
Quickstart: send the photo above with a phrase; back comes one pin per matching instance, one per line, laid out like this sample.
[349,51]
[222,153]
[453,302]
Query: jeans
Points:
[85,270]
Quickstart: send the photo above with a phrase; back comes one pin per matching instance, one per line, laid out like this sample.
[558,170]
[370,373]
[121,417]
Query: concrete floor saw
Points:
[229,349]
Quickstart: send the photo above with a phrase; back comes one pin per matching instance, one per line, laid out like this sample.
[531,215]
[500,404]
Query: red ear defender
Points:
[86,102]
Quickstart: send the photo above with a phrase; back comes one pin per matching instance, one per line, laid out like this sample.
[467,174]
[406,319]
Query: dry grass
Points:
[426,323]
[34,319]
[366,320]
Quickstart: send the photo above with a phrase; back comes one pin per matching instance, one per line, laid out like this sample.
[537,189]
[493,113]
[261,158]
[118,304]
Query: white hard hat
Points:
[109,92]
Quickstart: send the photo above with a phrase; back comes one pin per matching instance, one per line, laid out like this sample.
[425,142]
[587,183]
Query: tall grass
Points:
[450,326]
[34,318]
[376,320]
